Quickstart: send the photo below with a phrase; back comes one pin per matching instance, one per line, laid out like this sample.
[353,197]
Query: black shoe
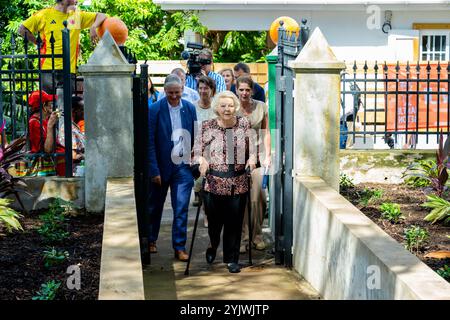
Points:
[210,255]
[233,268]
[197,200]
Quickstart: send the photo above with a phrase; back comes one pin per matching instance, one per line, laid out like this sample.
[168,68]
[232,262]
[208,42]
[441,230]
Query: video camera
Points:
[194,63]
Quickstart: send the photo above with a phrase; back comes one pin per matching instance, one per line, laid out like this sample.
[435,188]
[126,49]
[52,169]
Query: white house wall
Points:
[345,30]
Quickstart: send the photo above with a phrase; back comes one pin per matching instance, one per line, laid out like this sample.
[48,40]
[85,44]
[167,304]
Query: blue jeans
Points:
[180,183]
[343,136]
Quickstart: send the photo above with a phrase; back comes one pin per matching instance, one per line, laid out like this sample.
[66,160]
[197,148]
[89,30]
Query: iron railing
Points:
[289,46]
[20,74]
[398,100]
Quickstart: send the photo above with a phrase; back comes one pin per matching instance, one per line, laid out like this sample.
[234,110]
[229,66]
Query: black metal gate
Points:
[20,74]
[289,46]
[141,161]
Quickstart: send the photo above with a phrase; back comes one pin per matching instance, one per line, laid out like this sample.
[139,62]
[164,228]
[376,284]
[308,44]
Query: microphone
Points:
[185,55]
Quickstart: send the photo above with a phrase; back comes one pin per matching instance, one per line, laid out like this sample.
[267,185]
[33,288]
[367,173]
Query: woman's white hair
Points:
[225,94]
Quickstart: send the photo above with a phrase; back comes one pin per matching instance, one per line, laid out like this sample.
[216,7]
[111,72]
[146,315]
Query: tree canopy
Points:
[154,34]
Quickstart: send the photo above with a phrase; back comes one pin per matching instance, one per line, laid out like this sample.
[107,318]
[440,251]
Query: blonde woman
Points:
[228,76]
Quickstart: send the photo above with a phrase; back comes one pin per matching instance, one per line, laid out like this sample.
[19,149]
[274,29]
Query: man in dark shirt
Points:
[242,69]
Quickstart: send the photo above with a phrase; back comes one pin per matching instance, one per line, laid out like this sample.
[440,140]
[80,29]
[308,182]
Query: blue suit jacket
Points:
[160,135]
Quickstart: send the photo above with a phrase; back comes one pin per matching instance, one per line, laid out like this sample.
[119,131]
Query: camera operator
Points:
[206,61]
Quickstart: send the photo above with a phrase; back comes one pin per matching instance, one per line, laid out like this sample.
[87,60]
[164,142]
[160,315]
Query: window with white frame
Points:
[434,45]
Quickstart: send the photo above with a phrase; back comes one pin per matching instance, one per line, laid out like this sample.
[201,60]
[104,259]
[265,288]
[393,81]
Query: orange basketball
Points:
[116,28]
[289,24]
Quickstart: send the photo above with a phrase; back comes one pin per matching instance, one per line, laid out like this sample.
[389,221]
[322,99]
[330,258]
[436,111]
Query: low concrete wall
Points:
[121,276]
[379,166]
[344,255]
[44,189]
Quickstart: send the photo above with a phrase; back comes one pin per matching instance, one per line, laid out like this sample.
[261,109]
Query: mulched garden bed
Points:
[22,269]
[409,199]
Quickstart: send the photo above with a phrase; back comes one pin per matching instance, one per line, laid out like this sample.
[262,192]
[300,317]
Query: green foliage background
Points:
[154,34]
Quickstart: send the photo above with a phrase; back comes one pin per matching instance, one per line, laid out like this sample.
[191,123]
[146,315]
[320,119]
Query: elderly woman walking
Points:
[223,152]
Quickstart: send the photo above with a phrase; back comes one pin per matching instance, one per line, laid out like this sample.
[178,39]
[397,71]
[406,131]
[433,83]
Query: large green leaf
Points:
[441,209]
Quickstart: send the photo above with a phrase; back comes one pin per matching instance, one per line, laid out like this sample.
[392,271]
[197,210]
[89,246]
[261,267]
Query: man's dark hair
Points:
[242,66]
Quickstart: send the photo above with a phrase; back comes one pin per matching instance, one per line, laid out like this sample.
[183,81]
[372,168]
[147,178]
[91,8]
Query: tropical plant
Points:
[53,226]
[441,209]
[233,46]
[415,237]
[437,175]
[154,34]
[48,290]
[391,212]
[9,154]
[54,257]
[9,217]
[444,272]
[417,172]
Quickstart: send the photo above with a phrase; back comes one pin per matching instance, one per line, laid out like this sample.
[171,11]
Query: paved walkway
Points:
[164,279]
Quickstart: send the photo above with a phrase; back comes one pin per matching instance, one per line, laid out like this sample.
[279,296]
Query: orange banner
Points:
[406,104]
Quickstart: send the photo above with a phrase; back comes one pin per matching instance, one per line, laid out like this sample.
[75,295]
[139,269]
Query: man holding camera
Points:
[206,60]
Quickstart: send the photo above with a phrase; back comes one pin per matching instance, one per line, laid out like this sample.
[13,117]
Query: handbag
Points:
[41,166]
[195,171]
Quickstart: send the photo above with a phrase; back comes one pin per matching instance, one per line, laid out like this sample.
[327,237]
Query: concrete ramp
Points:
[164,279]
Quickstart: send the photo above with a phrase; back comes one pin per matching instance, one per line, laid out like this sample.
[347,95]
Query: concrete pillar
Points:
[316,111]
[109,120]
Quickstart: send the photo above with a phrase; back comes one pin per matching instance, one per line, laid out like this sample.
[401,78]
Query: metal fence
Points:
[289,46]
[21,74]
[390,105]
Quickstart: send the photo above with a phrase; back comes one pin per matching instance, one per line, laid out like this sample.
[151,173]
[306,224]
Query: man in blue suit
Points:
[171,122]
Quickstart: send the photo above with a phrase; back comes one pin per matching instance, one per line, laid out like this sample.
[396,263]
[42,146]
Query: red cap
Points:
[33,98]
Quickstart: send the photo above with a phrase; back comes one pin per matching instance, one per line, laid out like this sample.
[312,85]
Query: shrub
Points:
[415,237]
[368,196]
[441,209]
[444,272]
[418,173]
[345,182]
[9,154]
[8,216]
[54,257]
[391,212]
[48,291]
[52,229]
[435,173]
